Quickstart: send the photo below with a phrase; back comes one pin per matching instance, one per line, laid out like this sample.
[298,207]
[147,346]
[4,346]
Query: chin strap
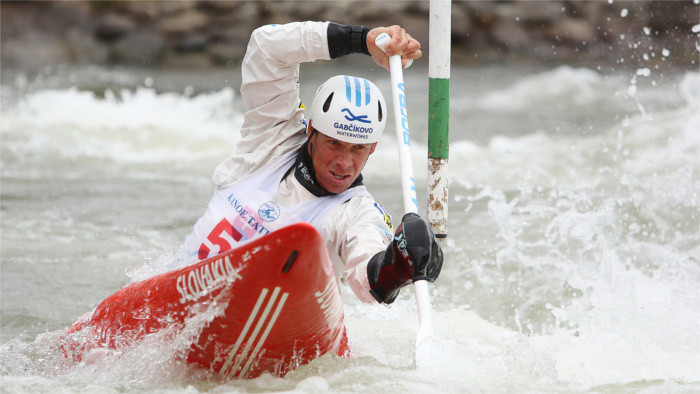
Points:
[305,174]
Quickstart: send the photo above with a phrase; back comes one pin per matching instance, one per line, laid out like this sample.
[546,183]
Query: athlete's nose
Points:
[344,162]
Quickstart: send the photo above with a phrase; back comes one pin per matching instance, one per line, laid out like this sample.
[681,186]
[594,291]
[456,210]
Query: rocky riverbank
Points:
[208,33]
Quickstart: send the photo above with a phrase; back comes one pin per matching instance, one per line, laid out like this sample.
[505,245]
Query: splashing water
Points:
[572,262]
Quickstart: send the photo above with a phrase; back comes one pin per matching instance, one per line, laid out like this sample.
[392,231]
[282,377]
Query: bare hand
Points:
[401,44]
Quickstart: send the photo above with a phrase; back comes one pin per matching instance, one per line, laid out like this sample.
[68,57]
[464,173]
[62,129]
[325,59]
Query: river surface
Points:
[573,257]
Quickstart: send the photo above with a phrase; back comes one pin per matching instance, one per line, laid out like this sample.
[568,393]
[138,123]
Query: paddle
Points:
[410,201]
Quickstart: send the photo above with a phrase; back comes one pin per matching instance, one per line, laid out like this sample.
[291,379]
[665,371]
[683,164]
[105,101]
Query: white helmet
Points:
[350,109]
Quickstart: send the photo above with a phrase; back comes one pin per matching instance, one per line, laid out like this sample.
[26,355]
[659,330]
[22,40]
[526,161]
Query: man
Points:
[287,170]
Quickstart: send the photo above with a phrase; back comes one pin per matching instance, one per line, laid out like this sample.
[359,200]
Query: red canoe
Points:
[270,305]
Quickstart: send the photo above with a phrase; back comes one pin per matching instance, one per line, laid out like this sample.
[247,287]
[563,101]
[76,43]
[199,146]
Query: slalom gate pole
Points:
[439,114]
[410,201]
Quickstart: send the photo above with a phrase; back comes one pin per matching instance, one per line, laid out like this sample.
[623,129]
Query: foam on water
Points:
[573,261]
[143,127]
[560,87]
[155,360]
[615,225]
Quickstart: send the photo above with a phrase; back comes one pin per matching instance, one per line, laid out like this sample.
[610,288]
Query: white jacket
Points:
[272,126]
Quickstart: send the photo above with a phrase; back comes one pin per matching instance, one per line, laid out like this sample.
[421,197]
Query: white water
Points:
[572,262]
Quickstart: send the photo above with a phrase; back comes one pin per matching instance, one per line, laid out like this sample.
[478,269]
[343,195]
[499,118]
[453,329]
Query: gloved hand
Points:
[413,255]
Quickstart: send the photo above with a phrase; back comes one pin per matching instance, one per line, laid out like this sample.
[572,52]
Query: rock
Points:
[288,9]
[219,5]
[192,43]
[306,8]
[228,25]
[33,51]
[527,12]
[189,21]
[248,12]
[341,12]
[84,49]
[370,12]
[112,26]
[418,7]
[187,60]
[59,16]
[195,32]
[152,10]
[142,11]
[681,48]
[17,19]
[666,15]
[461,23]
[227,54]
[176,7]
[511,34]
[236,35]
[586,9]
[571,30]
[417,26]
[613,26]
[279,12]
[142,47]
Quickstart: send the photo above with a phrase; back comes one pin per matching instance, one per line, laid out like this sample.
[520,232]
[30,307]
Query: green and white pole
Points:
[439,113]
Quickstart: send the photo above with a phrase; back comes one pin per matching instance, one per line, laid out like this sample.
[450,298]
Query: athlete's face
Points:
[337,163]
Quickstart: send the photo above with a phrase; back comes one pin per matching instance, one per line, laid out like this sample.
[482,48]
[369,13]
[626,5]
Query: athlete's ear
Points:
[374,146]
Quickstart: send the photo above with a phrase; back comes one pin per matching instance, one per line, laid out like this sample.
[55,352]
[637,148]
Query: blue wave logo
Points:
[351,117]
[269,211]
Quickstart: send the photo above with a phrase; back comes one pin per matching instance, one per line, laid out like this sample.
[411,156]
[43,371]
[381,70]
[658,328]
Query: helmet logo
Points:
[350,109]
[351,117]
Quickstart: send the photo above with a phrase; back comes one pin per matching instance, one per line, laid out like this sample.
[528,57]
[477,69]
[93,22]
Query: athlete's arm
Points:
[270,68]
[270,88]
[354,232]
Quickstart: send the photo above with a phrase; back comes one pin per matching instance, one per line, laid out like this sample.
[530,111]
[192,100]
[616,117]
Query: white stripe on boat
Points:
[253,336]
[283,299]
[243,333]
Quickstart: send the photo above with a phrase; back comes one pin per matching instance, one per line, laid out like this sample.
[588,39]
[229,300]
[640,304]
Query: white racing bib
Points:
[247,209]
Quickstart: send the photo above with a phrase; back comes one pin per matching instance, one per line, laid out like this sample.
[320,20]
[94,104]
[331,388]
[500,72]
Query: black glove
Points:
[413,255]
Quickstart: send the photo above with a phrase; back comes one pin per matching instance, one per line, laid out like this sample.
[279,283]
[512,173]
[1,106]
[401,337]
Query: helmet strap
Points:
[310,131]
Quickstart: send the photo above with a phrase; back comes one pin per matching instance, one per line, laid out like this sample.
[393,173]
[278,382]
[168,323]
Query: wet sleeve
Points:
[354,232]
[270,68]
[272,123]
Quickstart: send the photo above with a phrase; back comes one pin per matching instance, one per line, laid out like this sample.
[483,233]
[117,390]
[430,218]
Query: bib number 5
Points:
[216,237]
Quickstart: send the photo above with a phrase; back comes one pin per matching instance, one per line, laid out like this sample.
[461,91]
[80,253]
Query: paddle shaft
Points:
[410,201]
